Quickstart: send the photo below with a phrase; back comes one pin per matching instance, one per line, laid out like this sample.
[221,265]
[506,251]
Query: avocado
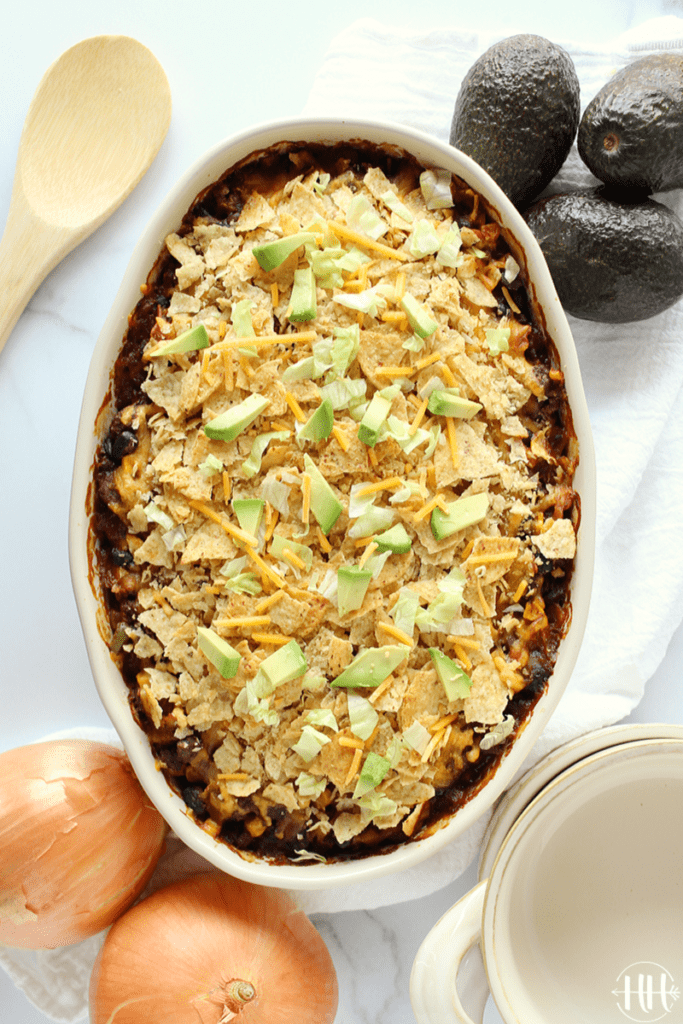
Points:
[373,419]
[454,680]
[319,425]
[227,425]
[352,586]
[612,260]
[284,665]
[189,341]
[396,539]
[219,652]
[631,133]
[418,318]
[371,666]
[249,512]
[271,255]
[447,402]
[325,505]
[517,113]
[462,512]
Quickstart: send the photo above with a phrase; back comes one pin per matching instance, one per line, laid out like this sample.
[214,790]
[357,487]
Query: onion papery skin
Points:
[170,958]
[79,840]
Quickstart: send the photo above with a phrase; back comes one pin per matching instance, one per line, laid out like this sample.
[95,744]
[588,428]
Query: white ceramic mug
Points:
[581,918]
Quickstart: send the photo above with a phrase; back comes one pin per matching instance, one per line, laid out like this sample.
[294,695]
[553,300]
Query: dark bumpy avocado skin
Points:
[631,133]
[517,113]
[611,261]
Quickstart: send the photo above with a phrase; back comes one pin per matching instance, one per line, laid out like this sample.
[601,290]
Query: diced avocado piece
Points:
[372,666]
[447,402]
[418,318]
[352,586]
[280,544]
[249,512]
[455,680]
[271,254]
[219,652]
[303,304]
[375,415]
[320,424]
[325,505]
[375,768]
[188,341]
[233,421]
[395,540]
[286,664]
[462,512]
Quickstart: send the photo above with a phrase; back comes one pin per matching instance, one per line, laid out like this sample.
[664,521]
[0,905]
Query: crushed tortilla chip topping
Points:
[315,765]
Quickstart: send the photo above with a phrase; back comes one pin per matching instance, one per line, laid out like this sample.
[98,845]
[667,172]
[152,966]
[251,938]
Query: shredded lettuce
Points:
[210,465]
[174,539]
[245,583]
[417,737]
[322,716]
[405,493]
[391,200]
[311,743]
[372,521]
[325,265]
[438,615]
[309,368]
[252,465]
[423,239]
[376,563]
[399,430]
[376,805]
[321,184]
[353,259]
[405,609]
[435,433]
[499,733]
[448,254]
[497,339]
[276,494]
[359,504]
[436,189]
[362,716]
[309,785]
[511,269]
[394,750]
[240,318]
[362,216]
[345,392]
[254,699]
[156,515]
[370,301]
[414,343]
[433,384]
[234,567]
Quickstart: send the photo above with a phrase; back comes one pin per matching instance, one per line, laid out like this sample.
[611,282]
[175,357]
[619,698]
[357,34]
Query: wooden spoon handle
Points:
[30,248]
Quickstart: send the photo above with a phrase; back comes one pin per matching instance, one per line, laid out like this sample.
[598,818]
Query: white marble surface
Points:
[230,65]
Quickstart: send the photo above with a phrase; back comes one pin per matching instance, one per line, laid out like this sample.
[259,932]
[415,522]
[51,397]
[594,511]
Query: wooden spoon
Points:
[94,126]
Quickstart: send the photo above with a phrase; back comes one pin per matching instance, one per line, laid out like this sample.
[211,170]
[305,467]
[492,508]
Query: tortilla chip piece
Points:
[557,542]
[487,698]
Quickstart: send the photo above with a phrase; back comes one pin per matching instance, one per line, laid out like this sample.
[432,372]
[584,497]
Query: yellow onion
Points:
[211,949]
[79,840]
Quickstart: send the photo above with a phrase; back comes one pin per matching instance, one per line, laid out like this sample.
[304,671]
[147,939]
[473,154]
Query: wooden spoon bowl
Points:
[94,126]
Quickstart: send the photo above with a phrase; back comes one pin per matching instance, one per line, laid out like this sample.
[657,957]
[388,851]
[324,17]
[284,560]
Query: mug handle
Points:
[448,972]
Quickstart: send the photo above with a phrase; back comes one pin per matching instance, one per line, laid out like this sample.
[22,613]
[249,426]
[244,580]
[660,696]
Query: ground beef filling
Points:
[166,559]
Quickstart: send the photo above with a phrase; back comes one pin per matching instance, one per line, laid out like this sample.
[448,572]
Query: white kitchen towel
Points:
[632,375]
